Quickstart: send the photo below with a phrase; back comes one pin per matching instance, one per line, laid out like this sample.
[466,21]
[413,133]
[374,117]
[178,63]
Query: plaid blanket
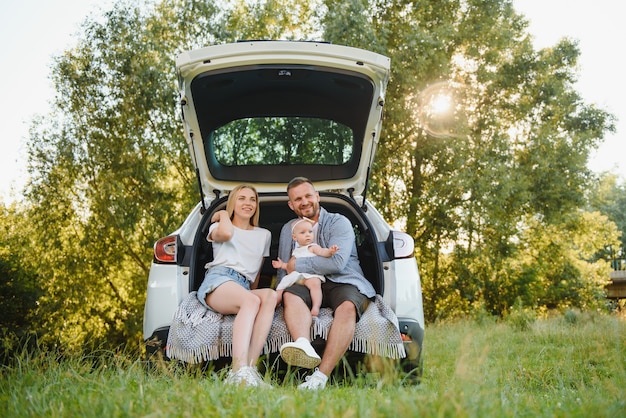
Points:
[198,334]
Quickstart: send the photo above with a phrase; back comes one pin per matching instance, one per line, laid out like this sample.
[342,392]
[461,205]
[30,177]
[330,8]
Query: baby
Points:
[302,233]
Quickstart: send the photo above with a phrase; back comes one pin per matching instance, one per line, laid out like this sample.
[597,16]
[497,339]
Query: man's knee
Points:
[290,298]
[346,311]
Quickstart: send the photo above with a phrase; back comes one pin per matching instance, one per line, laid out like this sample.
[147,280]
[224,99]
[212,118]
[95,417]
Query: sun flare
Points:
[440,104]
[437,108]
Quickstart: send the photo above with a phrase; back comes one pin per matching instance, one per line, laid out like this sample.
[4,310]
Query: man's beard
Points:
[309,212]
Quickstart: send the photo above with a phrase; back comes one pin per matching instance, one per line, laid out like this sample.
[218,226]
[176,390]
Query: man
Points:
[346,289]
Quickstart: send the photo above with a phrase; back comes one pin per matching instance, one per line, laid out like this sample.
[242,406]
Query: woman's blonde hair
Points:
[230,203]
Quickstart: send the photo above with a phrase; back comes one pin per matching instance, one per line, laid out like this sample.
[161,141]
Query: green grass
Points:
[566,366]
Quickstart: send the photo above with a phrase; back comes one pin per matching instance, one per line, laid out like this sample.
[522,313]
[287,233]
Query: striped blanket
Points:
[198,334]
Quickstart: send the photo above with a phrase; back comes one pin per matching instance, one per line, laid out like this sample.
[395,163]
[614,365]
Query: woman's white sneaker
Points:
[247,376]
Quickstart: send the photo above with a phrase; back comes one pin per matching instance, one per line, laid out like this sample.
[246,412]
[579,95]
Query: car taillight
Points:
[165,250]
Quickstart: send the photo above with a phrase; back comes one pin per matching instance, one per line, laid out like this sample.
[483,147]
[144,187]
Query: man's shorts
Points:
[334,294]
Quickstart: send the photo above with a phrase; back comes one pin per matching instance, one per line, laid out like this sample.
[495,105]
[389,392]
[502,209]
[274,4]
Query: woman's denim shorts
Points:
[216,276]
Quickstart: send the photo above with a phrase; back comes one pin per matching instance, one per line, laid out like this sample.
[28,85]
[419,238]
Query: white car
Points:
[263,112]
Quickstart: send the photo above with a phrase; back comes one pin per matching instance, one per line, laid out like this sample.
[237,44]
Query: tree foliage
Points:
[509,155]
[492,191]
[20,286]
[608,196]
[275,141]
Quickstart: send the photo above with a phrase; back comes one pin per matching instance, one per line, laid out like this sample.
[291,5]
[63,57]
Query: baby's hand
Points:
[277,264]
[333,249]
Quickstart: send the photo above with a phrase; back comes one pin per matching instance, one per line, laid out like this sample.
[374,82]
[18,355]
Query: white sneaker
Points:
[300,353]
[260,382]
[314,382]
[246,376]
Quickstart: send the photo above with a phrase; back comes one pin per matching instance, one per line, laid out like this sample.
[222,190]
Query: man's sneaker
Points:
[247,376]
[300,353]
[314,382]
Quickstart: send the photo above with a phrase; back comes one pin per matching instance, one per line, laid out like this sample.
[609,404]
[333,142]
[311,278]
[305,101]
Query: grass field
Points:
[572,365]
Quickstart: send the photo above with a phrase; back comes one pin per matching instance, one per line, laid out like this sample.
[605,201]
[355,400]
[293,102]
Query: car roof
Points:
[263,81]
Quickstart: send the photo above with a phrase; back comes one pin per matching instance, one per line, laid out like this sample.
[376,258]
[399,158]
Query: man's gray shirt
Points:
[343,267]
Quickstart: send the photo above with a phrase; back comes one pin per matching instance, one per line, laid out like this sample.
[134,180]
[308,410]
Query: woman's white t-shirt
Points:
[244,252]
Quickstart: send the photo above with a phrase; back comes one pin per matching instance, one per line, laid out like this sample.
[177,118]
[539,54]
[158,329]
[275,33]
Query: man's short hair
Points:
[296,181]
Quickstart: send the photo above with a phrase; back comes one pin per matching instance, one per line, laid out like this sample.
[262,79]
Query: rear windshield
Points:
[270,123]
[282,141]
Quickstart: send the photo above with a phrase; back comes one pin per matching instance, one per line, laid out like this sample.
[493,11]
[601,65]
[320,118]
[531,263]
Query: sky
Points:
[33,31]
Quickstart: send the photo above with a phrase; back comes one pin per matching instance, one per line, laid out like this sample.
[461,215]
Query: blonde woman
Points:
[230,283]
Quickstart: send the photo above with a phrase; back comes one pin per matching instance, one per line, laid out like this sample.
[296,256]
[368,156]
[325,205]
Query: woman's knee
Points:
[266,296]
[270,297]
[252,300]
